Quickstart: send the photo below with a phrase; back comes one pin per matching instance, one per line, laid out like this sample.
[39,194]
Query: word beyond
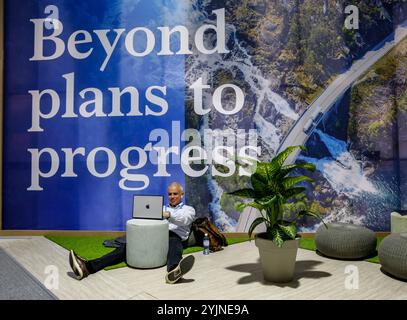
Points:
[78,42]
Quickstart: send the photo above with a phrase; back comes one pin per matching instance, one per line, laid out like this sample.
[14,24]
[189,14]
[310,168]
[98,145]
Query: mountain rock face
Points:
[305,43]
[379,100]
[377,124]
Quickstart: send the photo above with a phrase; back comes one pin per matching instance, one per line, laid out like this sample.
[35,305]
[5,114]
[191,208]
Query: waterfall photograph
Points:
[351,81]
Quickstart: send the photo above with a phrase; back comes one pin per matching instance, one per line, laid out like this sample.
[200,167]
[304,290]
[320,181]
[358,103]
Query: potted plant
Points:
[281,202]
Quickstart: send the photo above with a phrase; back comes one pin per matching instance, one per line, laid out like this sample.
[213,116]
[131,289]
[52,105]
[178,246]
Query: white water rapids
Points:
[343,172]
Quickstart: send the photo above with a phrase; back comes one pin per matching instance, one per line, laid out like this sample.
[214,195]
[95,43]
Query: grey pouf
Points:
[393,255]
[345,241]
[147,243]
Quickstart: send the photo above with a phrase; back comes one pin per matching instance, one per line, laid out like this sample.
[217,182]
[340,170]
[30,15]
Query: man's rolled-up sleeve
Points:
[183,217]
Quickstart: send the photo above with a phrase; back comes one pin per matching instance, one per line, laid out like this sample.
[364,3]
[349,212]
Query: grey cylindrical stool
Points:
[345,241]
[147,243]
[398,223]
[393,255]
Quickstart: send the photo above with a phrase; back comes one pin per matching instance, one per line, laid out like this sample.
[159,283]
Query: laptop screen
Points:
[148,207]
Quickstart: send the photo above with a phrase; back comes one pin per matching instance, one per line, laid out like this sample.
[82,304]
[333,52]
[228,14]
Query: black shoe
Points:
[78,265]
[184,266]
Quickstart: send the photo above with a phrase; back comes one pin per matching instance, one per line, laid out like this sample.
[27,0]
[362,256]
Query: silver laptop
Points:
[148,207]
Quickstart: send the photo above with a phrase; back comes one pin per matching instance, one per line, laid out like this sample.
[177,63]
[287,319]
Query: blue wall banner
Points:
[106,99]
[84,94]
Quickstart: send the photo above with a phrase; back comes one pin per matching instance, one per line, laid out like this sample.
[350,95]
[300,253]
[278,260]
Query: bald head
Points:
[175,193]
[177,185]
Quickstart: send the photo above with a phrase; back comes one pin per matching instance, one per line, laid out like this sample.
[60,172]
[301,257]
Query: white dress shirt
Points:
[181,219]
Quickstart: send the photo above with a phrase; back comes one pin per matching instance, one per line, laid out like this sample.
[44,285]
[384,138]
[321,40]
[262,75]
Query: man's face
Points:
[174,195]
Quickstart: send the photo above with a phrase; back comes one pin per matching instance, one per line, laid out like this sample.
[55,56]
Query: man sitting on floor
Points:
[180,218]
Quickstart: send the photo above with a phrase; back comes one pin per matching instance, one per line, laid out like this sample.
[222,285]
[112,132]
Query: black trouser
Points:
[117,256]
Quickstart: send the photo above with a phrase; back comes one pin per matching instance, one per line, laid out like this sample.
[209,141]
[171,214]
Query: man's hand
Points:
[166,214]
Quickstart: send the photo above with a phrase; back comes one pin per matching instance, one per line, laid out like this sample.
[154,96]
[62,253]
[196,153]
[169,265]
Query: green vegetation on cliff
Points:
[306,41]
[376,101]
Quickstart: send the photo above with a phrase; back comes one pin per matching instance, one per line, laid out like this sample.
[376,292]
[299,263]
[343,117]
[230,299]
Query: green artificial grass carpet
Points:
[92,247]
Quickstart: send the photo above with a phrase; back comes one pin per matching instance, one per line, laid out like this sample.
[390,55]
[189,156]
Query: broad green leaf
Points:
[311,214]
[293,191]
[259,185]
[260,176]
[271,168]
[261,171]
[267,201]
[285,170]
[255,223]
[290,230]
[255,205]
[274,186]
[277,236]
[306,165]
[246,193]
[266,169]
[291,181]
[240,206]
[283,155]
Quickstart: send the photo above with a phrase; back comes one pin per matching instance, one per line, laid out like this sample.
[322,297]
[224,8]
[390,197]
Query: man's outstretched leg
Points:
[82,267]
[176,265]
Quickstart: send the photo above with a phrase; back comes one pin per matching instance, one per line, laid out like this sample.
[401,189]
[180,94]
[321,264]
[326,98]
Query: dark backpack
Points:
[201,226]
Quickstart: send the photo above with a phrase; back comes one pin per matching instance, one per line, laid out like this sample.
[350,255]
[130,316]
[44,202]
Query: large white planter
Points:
[278,263]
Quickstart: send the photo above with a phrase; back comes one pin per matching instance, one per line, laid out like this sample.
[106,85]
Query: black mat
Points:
[16,283]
